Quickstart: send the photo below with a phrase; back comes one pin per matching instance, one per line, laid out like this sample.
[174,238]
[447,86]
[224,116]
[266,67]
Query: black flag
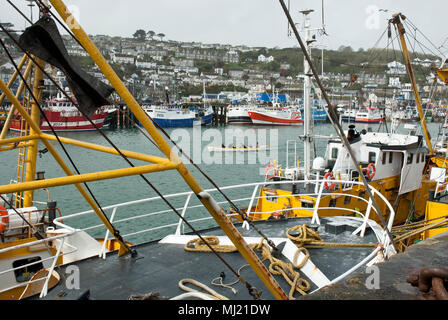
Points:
[43,40]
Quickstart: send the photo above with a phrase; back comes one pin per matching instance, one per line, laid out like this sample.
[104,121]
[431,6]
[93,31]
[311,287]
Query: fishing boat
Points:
[348,115]
[390,162]
[287,256]
[368,115]
[239,114]
[178,116]
[63,116]
[276,115]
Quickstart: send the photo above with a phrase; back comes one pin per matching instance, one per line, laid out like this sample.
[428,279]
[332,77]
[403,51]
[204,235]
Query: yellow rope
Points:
[311,239]
[276,267]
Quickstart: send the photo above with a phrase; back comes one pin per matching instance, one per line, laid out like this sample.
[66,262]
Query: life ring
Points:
[270,176]
[370,171]
[4,221]
[329,175]
[276,215]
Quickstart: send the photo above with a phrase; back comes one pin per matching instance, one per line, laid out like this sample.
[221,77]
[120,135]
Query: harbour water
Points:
[225,169]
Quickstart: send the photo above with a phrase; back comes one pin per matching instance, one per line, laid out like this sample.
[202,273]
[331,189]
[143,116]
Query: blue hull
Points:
[207,120]
[173,123]
[319,115]
[182,123]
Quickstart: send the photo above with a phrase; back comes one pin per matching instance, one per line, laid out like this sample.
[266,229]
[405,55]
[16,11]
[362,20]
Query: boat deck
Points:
[392,285]
[158,267]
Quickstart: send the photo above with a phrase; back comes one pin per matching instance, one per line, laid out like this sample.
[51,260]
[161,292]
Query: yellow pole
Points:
[92,146]
[217,213]
[19,145]
[18,139]
[123,246]
[396,20]
[35,116]
[18,93]
[85,177]
[14,76]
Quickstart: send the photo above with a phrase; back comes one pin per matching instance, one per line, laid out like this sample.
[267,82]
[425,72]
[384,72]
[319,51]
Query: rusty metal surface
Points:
[431,282]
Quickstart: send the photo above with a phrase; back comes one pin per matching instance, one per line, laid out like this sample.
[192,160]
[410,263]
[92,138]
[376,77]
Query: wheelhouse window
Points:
[362,194]
[410,158]
[384,156]
[332,203]
[391,157]
[423,157]
[271,197]
[334,153]
[24,274]
[347,200]
[417,158]
[372,157]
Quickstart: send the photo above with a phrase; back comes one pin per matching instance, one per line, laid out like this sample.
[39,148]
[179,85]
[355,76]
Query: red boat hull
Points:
[65,121]
[263,118]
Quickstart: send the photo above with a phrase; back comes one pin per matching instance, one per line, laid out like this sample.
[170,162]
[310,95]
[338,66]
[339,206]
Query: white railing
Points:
[46,242]
[188,207]
[247,201]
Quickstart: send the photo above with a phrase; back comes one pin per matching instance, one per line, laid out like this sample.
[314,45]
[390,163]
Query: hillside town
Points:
[151,65]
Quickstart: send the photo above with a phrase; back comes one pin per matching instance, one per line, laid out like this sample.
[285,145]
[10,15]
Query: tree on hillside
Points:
[345,49]
[161,36]
[140,35]
[150,34]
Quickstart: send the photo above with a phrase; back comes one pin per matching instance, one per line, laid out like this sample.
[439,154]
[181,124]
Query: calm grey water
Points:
[227,169]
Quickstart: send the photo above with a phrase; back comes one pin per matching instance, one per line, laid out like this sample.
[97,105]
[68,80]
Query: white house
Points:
[396,67]
[394,82]
[262,58]
[123,58]
[143,64]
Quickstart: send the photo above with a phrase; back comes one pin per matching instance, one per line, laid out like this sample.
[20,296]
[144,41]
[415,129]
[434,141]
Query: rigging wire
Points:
[238,210]
[251,289]
[116,232]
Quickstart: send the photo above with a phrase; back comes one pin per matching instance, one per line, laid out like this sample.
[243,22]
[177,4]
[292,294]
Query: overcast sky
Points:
[355,23]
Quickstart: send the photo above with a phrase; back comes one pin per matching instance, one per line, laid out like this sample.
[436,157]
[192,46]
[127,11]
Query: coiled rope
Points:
[276,267]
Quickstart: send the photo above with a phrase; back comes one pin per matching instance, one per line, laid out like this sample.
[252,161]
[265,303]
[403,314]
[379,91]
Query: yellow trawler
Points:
[393,163]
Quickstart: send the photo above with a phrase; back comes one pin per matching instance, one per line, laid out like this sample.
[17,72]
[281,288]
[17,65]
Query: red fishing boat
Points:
[276,116]
[64,116]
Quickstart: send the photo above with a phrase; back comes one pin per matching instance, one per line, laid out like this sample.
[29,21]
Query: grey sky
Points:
[249,22]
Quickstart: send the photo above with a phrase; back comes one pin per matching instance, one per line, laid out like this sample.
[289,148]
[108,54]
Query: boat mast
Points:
[396,19]
[334,121]
[307,98]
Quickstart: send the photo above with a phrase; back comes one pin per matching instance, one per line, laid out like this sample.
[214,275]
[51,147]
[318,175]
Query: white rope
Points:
[213,294]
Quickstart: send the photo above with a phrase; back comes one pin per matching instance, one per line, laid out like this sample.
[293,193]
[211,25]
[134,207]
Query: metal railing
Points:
[249,201]
[252,190]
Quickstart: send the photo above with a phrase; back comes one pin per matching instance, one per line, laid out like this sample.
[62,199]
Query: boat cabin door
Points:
[412,169]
